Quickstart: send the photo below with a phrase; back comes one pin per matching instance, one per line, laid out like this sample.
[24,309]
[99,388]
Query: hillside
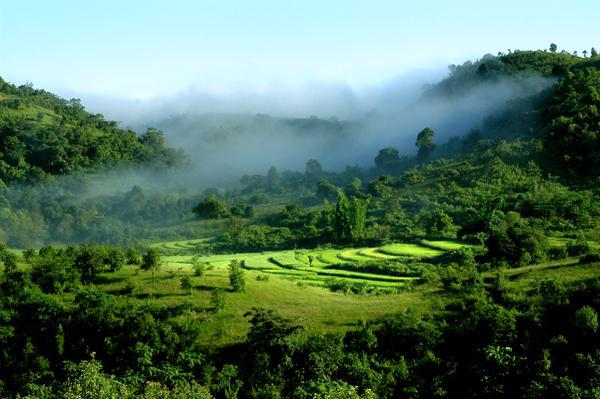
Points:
[468,268]
[43,135]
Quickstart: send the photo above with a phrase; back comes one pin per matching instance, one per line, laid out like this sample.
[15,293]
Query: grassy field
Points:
[297,291]
[317,308]
[296,287]
[292,282]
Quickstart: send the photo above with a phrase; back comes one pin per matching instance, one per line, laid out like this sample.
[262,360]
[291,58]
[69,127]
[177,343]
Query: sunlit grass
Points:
[415,250]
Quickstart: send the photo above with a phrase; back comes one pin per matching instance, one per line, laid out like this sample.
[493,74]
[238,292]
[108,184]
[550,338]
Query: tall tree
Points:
[349,217]
[186,284]
[151,262]
[425,143]
[236,276]
[273,180]
[387,158]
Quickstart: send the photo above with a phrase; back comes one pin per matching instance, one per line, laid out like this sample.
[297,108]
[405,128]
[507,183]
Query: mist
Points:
[245,131]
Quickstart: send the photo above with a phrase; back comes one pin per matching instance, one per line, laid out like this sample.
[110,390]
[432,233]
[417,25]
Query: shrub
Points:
[590,258]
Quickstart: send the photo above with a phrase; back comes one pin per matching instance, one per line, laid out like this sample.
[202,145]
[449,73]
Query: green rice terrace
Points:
[326,289]
[318,287]
[377,267]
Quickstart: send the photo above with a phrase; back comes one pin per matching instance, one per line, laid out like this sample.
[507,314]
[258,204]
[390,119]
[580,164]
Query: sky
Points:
[147,49]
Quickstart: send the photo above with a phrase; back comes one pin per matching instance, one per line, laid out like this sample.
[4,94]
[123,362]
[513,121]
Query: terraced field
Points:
[180,246]
[562,241]
[319,266]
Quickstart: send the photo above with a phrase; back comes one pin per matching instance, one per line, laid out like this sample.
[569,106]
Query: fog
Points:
[244,131]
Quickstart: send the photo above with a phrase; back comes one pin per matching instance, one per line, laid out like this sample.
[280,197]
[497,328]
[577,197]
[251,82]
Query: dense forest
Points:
[99,298]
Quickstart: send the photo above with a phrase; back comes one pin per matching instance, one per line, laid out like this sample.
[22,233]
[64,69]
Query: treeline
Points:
[64,212]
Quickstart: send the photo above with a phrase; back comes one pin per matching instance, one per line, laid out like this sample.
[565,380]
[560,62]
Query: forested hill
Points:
[42,134]
[515,64]
[563,116]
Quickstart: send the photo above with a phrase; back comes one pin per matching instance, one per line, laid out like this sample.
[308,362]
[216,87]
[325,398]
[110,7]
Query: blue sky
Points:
[143,49]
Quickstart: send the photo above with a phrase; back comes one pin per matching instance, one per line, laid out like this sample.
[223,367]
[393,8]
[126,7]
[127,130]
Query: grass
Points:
[301,294]
[445,245]
[410,250]
[354,255]
[374,254]
[317,308]
[295,288]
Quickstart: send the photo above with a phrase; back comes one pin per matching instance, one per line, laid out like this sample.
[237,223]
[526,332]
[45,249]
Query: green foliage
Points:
[488,333]
[237,277]
[186,284]
[388,161]
[61,137]
[437,224]
[586,321]
[572,123]
[87,381]
[151,261]
[425,143]
[211,207]
[132,257]
[217,300]
[53,270]
[326,190]
[198,266]
[349,217]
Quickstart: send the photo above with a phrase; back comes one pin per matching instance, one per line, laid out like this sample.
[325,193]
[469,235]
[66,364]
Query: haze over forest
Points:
[310,200]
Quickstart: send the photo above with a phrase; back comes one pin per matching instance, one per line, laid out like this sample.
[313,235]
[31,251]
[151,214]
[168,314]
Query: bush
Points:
[558,252]
[591,257]
[579,247]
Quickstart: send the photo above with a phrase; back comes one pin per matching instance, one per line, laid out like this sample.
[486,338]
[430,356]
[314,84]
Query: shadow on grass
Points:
[209,288]
[159,295]
[104,279]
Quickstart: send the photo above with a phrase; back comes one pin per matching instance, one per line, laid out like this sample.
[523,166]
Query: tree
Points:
[387,158]
[313,171]
[217,300]
[88,381]
[151,261]
[273,180]
[553,47]
[325,189]
[349,217]
[15,280]
[114,258]
[236,276]
[425,143]
[354,187]
[210,207]
[186,284]
[198,266]
[571,124]
[132,257]
[586,321]
[89,262]
[437,223]
[313,167]
[381,186]
[593,53]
